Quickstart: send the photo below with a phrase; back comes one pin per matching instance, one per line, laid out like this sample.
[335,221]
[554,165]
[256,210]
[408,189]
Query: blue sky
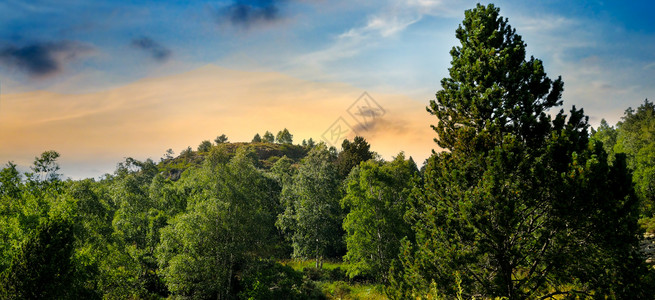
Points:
[604,50]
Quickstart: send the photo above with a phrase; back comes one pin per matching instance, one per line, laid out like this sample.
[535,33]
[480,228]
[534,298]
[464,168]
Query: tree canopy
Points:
[522,204]
[376,197]
[221,139]
[284,137]
[352,153]
[518,203]
[268,137]
[312,215]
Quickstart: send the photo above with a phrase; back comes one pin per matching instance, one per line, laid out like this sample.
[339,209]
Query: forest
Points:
[526,201]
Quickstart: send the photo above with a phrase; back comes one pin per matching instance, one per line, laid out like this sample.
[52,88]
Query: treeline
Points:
[217,232]
[523,204]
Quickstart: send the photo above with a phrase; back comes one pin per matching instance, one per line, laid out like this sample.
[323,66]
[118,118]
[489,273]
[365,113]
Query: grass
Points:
[333,282]
[344,290]
[300,265]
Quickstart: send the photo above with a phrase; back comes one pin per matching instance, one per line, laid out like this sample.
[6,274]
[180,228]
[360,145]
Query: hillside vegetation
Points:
[526,202]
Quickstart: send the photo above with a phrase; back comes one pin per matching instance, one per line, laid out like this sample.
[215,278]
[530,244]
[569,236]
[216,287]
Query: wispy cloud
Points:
[591,57]
[42,59]
[145,118]
[153,48]
[391,20]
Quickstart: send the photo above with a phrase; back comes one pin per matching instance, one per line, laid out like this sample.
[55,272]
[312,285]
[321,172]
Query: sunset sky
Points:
[99,81]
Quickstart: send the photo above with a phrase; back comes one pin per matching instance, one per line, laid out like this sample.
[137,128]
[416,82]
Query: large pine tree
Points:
[521,205]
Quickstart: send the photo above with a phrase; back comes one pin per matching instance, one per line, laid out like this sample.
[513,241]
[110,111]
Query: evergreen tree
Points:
[522,206]
[257,138]
[284,137]
[352,153]
[221,139]
[268,137]
[205,146]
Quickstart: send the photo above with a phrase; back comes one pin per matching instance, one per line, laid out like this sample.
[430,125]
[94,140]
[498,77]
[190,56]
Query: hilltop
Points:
[267,153]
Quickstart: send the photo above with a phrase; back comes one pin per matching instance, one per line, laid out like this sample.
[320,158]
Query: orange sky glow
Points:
[144,118]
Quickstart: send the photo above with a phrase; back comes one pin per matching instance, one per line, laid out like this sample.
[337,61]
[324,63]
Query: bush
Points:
[270,280]
[337,274]
[313,273]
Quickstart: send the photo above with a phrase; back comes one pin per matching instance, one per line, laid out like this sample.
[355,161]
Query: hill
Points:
[267,153]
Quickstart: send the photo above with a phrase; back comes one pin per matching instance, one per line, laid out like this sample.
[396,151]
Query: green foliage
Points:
[312,217]
[229,221]
[11,213]
[635,136]
[523,206]
[45,167]
[492,90]
[44,267]
[352,153]
[270,280]
[268,137]
[137,222]
[169,154]
[284,137]
[308,143]
[605,134]
[221,139]
[186,152]
[376,198]
[205,146]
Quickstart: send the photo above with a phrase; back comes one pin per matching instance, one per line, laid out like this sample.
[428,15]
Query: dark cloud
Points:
[42,58]
[154,49]
[247,13]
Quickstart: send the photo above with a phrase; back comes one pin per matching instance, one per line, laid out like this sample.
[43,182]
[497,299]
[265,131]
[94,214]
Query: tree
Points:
[284,137]
[308,143]
[221,139]
[169,154]
[268,137]
[376,198]
[10,181]
[257,138]
[46,166]
[230,221]
[312,215]
[187,153]
[205,146]
[522,205]
[605,134]
[352,153]
[635,138]
[44,266]
[11,211]
[137,222]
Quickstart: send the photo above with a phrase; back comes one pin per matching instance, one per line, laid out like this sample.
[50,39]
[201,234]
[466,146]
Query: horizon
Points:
[103,81]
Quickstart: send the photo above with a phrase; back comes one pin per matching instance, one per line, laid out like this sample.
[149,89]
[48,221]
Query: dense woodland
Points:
[526,202]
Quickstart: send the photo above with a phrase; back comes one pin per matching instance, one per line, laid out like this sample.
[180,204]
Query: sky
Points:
[99,81]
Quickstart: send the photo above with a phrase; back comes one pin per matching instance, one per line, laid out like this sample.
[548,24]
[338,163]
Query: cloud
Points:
[144,118]
[41,59]
[154,49]
[390,20]
[251,12]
